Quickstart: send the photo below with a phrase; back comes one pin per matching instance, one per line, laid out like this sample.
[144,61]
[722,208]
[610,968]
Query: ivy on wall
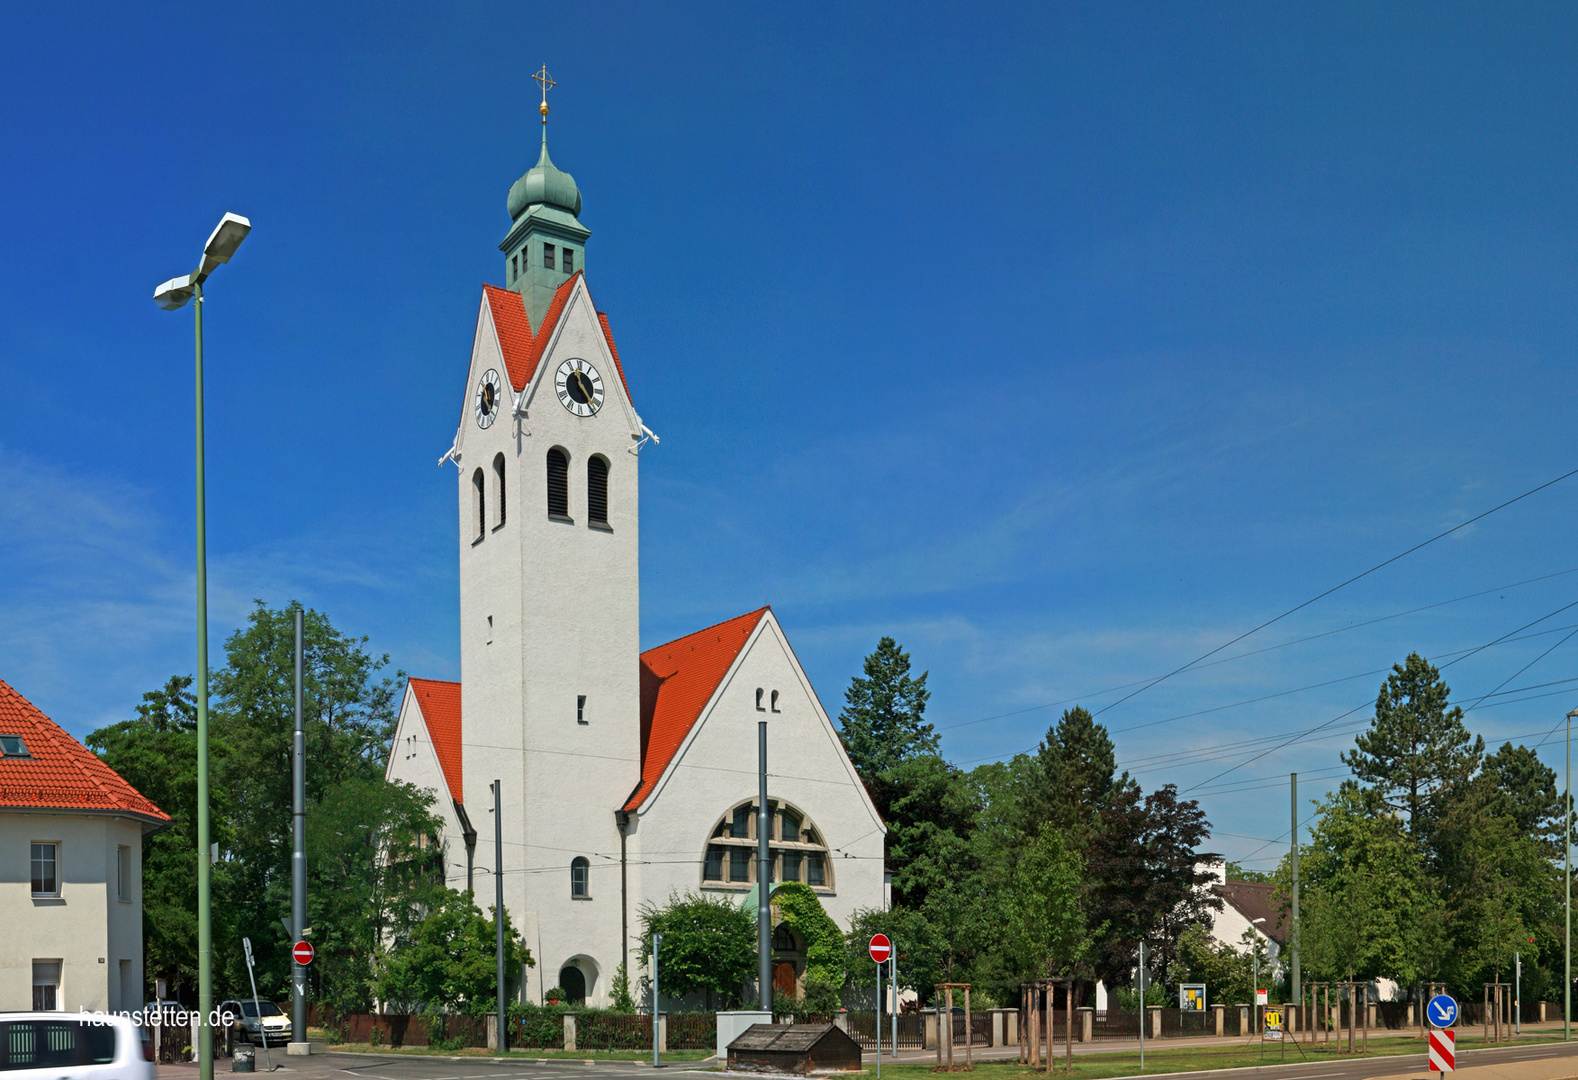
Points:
[798,906]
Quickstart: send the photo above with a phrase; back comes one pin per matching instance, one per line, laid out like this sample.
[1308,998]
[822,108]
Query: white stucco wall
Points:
[716,769]
[88,928]
[414,760]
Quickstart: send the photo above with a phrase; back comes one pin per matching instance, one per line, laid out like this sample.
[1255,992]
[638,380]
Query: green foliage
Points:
[709,946]
[883,723]
[448,963]
[824,944]
[1076,778]
[1044,928]
[1228,972]
[1232,871]
[619,993]
[1417,752]
[1128,997]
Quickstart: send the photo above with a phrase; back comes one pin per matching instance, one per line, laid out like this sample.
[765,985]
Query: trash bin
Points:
[243,1061]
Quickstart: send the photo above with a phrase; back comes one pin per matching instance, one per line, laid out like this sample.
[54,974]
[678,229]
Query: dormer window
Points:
[568,263]
[13,746]
[547,256]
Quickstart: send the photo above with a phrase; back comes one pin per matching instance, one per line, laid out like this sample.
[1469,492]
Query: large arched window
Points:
[558,483]
[580,878]
[498,489]
[479,504]
[597,490]
[795,846]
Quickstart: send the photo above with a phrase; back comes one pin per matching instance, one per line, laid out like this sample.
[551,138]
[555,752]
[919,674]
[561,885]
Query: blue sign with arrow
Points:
[1442,1011]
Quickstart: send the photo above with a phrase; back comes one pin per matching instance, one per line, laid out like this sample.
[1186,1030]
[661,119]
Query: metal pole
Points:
[246,943]
[1293,788]
[764,932]
[1141,981]
[1567,848]
[498,917]
[893,1017]
[298,854]
[1517,992]
[205,928]
[657,943]
[879,1019]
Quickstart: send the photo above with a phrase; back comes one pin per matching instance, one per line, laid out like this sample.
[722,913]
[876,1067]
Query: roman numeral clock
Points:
[579,386]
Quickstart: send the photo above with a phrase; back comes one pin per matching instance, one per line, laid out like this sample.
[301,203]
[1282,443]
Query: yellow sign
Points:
[1271,1020]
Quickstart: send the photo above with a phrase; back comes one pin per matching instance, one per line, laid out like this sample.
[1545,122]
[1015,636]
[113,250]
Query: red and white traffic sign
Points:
[302,953]
[881,948]
[1443,1058]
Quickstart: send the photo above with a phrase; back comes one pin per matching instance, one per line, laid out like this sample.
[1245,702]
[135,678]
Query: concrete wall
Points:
[96,935]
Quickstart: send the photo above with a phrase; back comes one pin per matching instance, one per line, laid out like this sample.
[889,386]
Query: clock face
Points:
[579,386]
[489,396]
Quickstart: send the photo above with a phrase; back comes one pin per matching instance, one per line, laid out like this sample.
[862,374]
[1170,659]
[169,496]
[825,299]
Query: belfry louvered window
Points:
[558,484]
[479,504]
[597,490]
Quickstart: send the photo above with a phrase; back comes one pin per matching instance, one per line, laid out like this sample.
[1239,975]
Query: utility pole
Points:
[498,917]
[1144,985]
[298,852]
[657,945]
[1293,941]
[1567,848]
[764,930]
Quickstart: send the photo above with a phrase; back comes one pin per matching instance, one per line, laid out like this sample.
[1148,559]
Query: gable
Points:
[439,705]
[522,349]
[59,772]
[677,681]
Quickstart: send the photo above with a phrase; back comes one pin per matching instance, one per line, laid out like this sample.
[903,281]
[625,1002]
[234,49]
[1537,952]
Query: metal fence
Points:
[911,1029]
[692,1031]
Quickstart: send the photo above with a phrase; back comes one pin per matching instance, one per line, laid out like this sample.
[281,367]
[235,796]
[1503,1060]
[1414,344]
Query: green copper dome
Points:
[544,183]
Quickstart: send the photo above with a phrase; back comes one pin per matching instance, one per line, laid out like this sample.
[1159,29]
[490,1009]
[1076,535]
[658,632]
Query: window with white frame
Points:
[796,849]
[46,985]
[46,879]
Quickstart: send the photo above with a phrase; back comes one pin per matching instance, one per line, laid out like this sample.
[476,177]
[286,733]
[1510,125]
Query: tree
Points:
[1076,778]
[449,962]
[1523,788]
[1043,927]
[1416,751]
[157,754]
[709,946]
[883,721]
[930,808]
[1147,880]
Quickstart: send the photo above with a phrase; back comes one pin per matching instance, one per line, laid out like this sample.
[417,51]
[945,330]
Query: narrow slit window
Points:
[775,701]
[479,503]
[498,488]
[547,256]
[580,708]
[123,873]
[515,263]
[759,693]
[568,262]
[558,484]
[597,490]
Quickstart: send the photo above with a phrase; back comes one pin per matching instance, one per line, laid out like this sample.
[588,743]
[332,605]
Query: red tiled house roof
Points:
[60,773]
[440,705]
[677,681]
[522,349]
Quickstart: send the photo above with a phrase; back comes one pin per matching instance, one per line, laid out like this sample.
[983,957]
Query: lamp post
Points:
[1254,952]
[173,294]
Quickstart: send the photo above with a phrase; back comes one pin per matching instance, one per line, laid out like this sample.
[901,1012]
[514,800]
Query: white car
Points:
[74,1046]
[274,1026]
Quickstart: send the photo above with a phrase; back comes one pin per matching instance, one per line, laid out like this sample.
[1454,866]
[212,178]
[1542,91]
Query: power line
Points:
[1335,588]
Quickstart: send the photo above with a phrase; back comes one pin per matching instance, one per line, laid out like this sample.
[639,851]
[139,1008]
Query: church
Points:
[625,777]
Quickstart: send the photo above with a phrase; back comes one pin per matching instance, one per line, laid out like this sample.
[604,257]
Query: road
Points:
[1540,1061]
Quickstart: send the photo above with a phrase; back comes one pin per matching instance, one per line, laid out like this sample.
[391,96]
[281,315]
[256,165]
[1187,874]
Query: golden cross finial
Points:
[546,80]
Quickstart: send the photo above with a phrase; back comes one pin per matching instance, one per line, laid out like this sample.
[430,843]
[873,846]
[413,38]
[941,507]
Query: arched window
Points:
[796,849]
[597,490]
[580,884]
[498,488]
[759,693]
[479,504]
[775,701]
[558,484]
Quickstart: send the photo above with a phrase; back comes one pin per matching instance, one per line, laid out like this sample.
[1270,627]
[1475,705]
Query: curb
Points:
[591,1062]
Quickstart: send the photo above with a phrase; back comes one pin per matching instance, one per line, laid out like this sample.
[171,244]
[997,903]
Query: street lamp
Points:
[173,294]
[1254,953]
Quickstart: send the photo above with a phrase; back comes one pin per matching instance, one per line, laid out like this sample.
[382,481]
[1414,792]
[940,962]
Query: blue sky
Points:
[1062,342]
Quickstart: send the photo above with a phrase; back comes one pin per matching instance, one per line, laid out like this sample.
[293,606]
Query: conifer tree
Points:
[1416,750]
[883,722]
[1077,767]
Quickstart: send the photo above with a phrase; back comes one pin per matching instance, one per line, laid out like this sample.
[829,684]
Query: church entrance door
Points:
[784,981]
[573,983]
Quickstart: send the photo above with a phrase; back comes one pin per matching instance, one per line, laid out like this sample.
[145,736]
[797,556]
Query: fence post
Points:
[1219,1010]
[569,1031]
[1087,1023]
[662,1032]
[1156,1021]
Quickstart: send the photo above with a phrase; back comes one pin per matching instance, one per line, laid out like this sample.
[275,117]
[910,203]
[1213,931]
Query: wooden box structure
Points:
[801,1049]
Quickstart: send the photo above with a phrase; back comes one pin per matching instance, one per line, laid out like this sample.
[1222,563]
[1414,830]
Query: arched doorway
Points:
[788,961]
[573,983]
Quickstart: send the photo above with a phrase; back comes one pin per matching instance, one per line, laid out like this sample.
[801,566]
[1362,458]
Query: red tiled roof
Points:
[677,681]
[522,349]
[61,773]
[440,705]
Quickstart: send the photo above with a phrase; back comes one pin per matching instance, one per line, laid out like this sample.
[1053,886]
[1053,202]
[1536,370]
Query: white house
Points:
[624,776]
[70,870]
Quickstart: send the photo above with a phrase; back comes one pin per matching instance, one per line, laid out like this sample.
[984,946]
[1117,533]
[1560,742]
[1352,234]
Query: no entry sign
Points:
[1443,1058]
[881,948]
[302,953]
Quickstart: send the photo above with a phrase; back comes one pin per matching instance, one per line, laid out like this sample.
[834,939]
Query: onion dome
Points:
[544,183]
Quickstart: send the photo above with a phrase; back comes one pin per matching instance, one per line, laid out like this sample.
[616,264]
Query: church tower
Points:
[548,515]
